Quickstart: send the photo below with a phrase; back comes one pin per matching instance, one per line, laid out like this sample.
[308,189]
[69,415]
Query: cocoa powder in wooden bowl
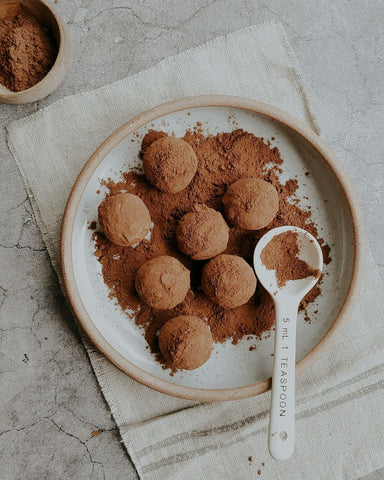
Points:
[34,50]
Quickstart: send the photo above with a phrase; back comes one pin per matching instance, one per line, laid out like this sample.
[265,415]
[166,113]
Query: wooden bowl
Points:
[55,76]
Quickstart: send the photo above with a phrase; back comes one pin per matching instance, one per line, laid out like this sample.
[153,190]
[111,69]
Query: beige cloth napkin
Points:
[340,420]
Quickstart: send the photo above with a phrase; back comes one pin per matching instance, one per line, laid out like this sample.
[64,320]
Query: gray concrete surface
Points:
[50,401]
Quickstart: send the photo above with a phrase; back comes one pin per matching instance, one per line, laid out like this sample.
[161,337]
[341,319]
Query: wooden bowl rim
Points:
[201,394]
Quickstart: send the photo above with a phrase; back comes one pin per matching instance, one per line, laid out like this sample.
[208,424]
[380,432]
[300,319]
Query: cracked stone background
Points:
[50,401]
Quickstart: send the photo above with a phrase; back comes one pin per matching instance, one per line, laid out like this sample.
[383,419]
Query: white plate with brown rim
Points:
[233,371]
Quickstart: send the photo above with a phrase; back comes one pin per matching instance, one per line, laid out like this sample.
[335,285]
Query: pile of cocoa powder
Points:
[223,159]
[28,48]
[282,255]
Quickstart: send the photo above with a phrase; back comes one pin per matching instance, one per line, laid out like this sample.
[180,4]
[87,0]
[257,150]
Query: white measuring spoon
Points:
[281,436]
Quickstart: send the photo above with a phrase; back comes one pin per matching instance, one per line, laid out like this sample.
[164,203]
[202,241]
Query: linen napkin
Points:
[339,423]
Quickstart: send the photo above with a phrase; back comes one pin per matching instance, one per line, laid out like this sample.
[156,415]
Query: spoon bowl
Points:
[287,297]
[310,252]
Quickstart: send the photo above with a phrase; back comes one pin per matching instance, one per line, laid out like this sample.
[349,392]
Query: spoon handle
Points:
[281,437]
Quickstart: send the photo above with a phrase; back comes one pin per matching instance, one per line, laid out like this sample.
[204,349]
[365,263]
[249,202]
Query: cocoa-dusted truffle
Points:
[228,280]
[162,282]
[185,342]
[169,164]
[202,233]
[251,203]
[124,219]
[150,137]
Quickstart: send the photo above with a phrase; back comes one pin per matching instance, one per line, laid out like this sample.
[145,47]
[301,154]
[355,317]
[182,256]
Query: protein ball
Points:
[149,138]
[124,219]
[202,233]
[169,164]
[162,282]
[185,342]
[251,203]
[228,280]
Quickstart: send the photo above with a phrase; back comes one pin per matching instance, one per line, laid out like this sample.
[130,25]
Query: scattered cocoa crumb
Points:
[262,464]
[259,472]
[92,226]
[222,159]
[325,249]
[250,458]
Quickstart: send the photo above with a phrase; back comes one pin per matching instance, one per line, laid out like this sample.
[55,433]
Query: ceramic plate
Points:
[233,371]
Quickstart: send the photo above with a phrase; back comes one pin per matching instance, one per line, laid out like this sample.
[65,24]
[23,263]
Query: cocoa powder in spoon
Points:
[282,255]
[222,159]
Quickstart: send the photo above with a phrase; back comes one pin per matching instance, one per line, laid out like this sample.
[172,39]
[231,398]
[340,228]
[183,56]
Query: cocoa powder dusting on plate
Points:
[222,159]
[282,255]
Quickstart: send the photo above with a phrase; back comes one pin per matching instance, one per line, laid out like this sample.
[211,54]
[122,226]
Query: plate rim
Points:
[200,101]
